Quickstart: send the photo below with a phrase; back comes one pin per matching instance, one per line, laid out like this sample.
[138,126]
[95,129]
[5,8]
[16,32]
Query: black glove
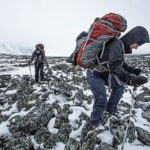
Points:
[137,71]
[137,80]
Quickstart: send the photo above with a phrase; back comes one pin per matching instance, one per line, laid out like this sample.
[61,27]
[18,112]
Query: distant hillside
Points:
[15,50]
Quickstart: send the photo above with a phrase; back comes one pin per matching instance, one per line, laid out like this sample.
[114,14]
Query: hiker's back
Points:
[102,31]
[111,47]
[90,50]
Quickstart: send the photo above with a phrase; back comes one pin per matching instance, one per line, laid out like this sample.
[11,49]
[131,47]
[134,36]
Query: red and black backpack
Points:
[101,31]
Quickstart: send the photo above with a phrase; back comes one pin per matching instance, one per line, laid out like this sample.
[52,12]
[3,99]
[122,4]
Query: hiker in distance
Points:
[40,59]
[117,73]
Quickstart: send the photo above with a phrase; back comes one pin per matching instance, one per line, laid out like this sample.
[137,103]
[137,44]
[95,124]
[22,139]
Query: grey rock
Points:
[63,133]
[33,121]
[146,115]
[18,142]
[4,80]
[131,135]
[72,144]
[117,130]
[122,103]
[143,136]
[104,146]
[143,97]
[45,137]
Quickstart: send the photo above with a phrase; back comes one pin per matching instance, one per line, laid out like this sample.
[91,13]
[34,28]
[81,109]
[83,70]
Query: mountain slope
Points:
[53,114]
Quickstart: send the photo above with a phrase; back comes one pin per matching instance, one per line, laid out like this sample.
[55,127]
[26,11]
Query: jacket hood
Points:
[137,35]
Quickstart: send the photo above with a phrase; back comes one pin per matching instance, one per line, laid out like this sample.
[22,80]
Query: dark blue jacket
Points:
[115,52]
[39,58]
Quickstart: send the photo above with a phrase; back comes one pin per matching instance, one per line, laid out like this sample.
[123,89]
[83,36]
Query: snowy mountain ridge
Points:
[15,50]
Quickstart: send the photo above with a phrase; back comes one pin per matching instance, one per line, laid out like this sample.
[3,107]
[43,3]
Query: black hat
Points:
[137,35]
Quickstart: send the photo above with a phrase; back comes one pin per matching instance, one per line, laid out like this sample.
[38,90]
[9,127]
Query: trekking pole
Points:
[30,70]
[130,114]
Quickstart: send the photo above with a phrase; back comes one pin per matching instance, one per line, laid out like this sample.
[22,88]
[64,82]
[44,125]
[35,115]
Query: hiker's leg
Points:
[42,71]
[36,72]
[97,86]
[116,94]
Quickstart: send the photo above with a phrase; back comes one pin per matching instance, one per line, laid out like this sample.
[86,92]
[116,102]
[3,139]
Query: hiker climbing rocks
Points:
[40,59]
[118,73]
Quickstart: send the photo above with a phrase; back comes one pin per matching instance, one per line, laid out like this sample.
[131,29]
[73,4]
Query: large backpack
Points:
[101,31]
[79,40]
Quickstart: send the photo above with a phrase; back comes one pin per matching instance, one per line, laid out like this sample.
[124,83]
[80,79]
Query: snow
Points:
[4,130]
[106,136]
[51,126]
[13,109]
[77,133]
[20,71]
[136,145]
[60,146]
[9,92]
[60,98]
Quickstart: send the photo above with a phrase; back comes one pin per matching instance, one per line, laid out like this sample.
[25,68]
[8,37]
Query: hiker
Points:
[39,56]
[117,74]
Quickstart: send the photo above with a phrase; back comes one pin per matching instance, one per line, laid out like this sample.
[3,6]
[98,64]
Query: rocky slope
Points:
[53,113]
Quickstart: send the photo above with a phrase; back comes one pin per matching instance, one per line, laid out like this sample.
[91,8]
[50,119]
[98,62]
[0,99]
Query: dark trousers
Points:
[39,67]
[97,85]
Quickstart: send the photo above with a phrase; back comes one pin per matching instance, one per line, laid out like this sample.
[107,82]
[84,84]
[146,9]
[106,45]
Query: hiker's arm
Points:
[131,69]
[32,57]
[115,60]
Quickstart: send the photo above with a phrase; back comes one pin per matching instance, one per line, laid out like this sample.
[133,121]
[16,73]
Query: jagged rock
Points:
[77,80]
[63,116]
[79,97]
[43,136]
[72,144]
[131,133]
[104,146]
[3,117]
[63,133]
[90,140]
[33,121]
[143,136]
[4,80]
[124,104]
[117,130]
[56,106]
[2,141]
[45,96]
[146,115]
[82,117]
[18,141]
[143,97]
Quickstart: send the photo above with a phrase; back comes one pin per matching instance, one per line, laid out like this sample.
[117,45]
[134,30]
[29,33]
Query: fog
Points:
[56,23]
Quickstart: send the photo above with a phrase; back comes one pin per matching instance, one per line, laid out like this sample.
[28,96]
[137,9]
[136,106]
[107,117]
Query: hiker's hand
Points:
[47,66]
[137,71]
[137,80]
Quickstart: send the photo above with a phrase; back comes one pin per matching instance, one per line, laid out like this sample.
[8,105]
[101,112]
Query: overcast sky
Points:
[56,23]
